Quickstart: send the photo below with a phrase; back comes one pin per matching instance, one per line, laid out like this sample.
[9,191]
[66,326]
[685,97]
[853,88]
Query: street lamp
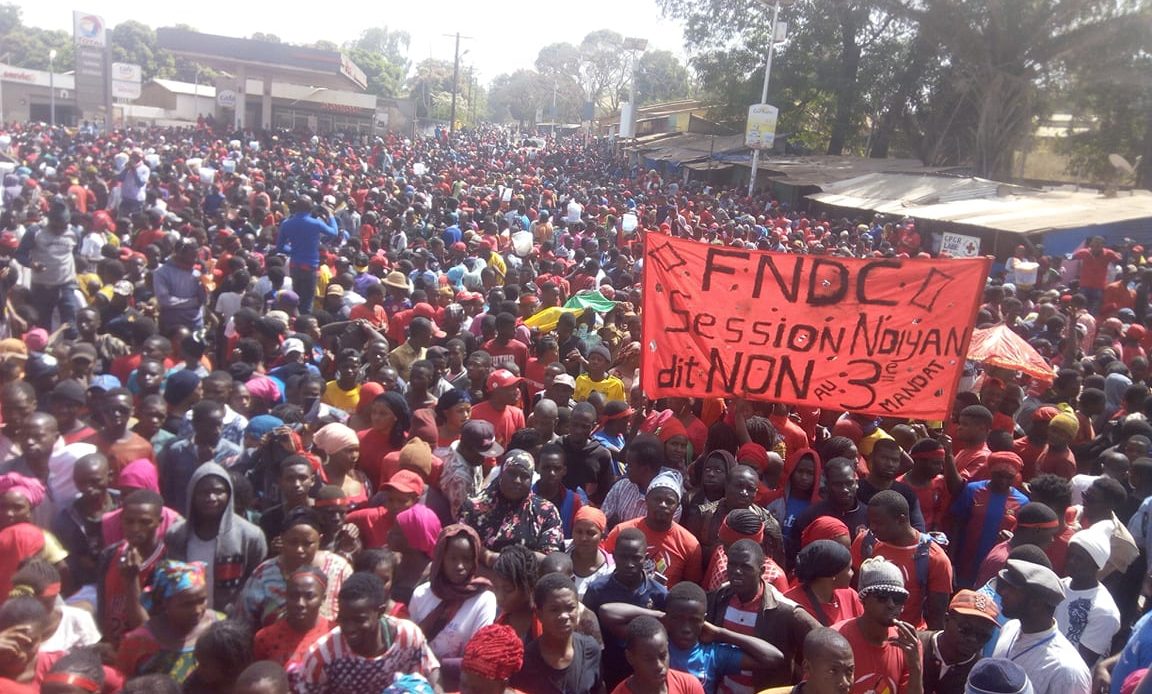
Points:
[635,46]
[52,87]
[764,91]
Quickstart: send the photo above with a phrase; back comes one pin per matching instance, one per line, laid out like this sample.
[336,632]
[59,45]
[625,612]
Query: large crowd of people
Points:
[286,412]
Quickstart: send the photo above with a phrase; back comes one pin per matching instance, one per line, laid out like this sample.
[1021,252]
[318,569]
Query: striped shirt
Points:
[331,667]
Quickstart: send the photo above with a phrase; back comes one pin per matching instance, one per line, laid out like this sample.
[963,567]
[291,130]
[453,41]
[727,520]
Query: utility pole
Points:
[455,81]
[52,87]
[764,90]
[555,86]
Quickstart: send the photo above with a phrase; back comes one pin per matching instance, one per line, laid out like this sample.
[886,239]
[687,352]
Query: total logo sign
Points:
[89,30]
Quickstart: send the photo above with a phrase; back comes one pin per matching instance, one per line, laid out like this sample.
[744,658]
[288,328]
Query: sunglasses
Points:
[894,598]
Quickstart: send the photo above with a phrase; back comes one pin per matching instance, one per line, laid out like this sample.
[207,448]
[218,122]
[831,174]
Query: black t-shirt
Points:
[588,462]
[580,677]
[865,491]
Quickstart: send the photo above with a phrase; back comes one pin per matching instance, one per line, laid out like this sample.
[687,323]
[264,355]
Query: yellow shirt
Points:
[339,398]
[498,266]
[611,387]
[323,277]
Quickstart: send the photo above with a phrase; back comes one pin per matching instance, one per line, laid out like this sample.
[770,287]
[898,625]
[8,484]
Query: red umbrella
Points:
[999,346]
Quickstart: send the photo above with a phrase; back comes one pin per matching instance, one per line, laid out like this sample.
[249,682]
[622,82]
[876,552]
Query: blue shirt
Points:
[300,236]
[1136,654]
[976,536]
[606,589]
[451,235]
[707,662]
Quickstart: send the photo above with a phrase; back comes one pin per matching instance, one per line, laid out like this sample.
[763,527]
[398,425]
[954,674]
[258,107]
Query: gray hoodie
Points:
[240,545]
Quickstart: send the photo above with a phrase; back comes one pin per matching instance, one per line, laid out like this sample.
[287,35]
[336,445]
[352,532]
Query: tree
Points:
[1007,63]
[393,45]
[381,54]
[431,85]
[660,76]
[558,66]
[270,38]
[133,42]
[603,67]
[558,60]
[11,17]
[820,64]
[518,96]
[29,47]
[384,76]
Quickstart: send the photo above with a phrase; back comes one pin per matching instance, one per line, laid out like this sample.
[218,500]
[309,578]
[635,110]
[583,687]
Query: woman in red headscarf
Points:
[799,489]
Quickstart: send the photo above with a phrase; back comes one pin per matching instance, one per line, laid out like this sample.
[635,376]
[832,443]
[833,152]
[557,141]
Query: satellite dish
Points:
[1121,164]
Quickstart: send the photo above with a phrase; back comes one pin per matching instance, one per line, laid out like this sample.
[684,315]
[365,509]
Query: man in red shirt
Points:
[972,429]
[886,650]
[1031,447]
[505,349]
[154,233]
[674,552]
[499,410]
[892,536]
[1094,261]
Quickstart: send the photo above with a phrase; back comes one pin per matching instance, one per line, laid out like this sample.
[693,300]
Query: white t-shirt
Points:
[1088,618]
[1080,483]
[77,628]
[575,211]
[476,612]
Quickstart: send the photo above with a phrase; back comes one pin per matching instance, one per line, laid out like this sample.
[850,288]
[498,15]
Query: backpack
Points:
[920,556]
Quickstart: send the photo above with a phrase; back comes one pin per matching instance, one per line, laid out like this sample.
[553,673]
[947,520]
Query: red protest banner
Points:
[883,336]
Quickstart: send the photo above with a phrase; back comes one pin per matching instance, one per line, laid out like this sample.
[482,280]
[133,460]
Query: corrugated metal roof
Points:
[822,170]
[986,204]
[690,146]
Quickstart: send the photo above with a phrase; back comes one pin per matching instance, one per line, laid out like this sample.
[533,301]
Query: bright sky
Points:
[506,35]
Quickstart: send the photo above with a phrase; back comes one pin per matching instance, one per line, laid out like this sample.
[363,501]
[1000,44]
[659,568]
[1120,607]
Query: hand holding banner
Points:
[883,336]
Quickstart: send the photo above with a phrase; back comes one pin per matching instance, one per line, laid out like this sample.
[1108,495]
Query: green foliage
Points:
[28,47]
[133,42]
[660,76]
[950,81]
[384,76]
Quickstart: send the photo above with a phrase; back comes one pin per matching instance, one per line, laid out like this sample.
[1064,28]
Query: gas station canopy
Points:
[266,60]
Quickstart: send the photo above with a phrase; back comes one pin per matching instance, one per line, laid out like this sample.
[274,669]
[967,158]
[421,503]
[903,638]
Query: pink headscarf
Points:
[420,526]
[30,488]
[139,474]
[335,437]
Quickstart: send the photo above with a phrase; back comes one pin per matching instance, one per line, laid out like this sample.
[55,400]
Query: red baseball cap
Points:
[502,378]
[405,482]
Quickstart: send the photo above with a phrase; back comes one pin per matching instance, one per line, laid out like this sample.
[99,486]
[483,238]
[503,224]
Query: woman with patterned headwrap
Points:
[508,513]
[165,644]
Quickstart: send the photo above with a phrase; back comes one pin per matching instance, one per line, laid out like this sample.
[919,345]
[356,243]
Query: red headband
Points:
[72,680]
[619,415]
[325,503]
[935,454]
